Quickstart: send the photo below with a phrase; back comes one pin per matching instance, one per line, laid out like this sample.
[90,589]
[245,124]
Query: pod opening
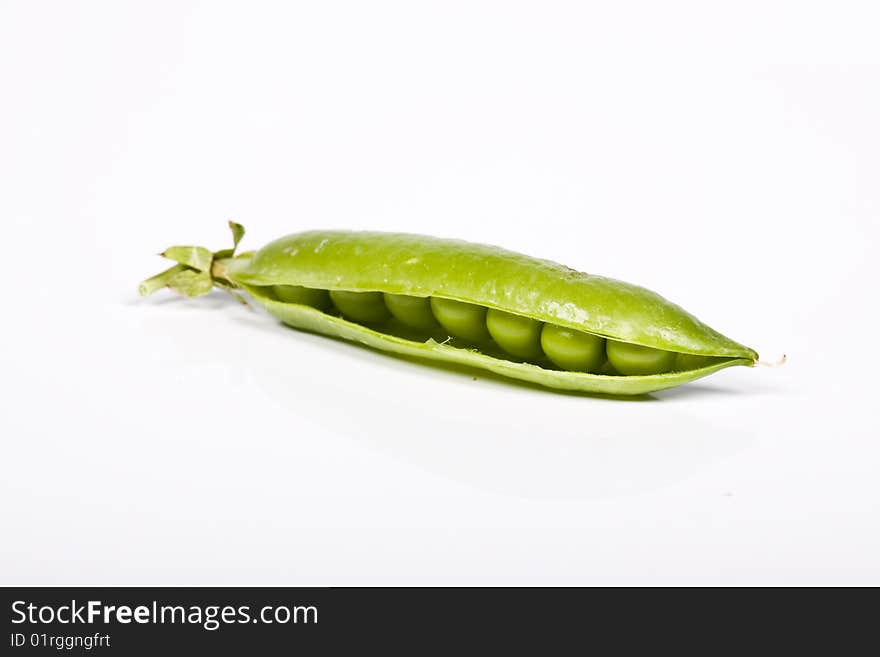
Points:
[493,332]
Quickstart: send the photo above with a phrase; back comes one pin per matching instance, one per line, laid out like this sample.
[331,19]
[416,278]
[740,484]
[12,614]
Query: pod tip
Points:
[777,363]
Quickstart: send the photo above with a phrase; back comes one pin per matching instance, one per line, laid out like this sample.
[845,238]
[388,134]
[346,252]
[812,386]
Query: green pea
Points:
[636,360]
[685,362]
[412,311]
[533,296]
[462,320]
[307,296]
[572,350]
[517,335]
[364,307]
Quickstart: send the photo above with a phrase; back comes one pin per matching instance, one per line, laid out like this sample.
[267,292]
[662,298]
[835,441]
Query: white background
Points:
[726,155]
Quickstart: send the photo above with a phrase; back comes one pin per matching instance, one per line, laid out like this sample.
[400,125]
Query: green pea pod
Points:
[656,344]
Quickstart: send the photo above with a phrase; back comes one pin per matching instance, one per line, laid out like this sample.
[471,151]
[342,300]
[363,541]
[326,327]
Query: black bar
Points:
[135,621]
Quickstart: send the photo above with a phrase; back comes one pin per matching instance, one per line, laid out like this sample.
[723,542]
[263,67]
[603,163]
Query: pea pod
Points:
[467,304]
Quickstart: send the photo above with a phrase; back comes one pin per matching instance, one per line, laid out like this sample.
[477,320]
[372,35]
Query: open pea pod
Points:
[476,305]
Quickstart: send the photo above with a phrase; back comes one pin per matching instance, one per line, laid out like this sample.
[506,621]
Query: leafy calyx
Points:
[197,270]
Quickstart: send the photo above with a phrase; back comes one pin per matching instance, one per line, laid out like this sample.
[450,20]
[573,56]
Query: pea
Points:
[517,335]
[530,297]
[572,350]
[636,360]
[364,307]
[685,362]
[462,320]
[306,296]
[412,311]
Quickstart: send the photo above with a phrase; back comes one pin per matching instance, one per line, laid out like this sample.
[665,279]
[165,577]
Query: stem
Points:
[159,281]
[220,270]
